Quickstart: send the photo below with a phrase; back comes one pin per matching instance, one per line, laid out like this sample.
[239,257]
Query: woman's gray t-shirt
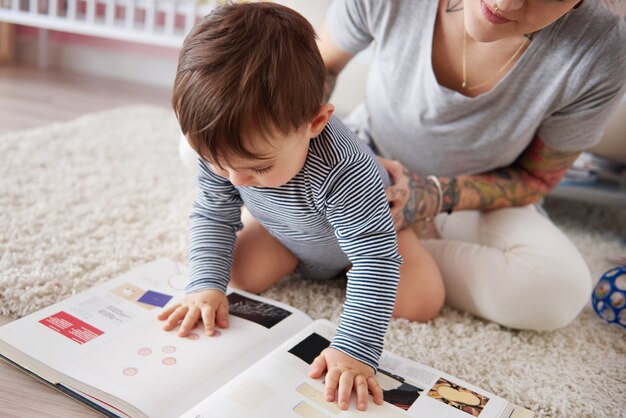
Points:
[563,88]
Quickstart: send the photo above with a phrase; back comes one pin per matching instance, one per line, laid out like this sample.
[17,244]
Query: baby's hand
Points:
[344,375]
[210,305]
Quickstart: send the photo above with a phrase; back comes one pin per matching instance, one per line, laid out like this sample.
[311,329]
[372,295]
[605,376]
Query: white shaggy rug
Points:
[85,200]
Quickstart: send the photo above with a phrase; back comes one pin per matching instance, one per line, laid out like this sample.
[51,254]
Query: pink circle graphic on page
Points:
[169,361]
[144,351]
[193,336]
[130,371]
[168,349]
[216,333]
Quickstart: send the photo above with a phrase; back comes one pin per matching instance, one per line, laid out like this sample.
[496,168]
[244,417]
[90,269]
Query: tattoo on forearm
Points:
[417,206]
[501,188]
[413,205]
[535,173]
[450,194]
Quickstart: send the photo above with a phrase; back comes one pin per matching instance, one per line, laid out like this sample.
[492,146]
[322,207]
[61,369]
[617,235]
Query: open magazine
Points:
[105,348]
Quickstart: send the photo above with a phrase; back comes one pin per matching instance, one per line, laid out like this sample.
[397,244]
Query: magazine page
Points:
[279,386]
[425,392]
[106,342]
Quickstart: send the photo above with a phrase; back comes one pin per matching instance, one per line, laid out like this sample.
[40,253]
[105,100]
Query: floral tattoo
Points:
[538,169]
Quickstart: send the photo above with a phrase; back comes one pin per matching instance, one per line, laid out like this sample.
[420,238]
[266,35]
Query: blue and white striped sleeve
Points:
[358,210]
[215,218]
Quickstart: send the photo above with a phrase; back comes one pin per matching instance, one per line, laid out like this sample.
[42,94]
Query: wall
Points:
[100,57]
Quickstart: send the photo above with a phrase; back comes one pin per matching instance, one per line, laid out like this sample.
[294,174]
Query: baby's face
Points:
[285,156]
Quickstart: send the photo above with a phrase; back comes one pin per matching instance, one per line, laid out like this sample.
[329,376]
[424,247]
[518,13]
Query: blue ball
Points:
[609,296]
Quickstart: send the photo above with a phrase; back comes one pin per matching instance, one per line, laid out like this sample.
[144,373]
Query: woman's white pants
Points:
[512,266]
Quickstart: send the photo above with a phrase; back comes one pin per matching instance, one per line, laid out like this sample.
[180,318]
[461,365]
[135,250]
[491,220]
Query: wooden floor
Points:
[31,98]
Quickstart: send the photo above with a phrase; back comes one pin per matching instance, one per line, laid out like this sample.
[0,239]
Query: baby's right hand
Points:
[210,305]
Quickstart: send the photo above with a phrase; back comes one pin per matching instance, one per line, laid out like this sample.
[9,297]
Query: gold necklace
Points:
[465,85]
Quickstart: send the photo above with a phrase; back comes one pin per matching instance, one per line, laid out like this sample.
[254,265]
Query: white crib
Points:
[156,22]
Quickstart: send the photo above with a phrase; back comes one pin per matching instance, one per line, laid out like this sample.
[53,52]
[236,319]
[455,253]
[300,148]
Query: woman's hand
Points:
[210,306]
[412,198]
[346,375]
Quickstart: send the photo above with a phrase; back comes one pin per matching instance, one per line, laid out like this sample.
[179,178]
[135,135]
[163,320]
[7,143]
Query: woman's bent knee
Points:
[547,301]
[564,304]
[513,267]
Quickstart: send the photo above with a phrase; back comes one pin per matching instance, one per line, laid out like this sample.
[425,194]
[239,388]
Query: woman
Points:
[480,107]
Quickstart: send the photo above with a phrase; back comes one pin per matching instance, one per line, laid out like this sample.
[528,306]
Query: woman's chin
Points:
[481,34]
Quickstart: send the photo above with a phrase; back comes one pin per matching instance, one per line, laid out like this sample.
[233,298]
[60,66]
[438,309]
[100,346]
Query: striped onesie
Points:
[332,213]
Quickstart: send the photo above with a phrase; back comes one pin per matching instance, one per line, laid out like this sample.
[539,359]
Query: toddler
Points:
[249,97]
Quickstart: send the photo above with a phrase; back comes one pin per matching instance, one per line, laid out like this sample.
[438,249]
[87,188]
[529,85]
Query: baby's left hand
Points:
[344,375]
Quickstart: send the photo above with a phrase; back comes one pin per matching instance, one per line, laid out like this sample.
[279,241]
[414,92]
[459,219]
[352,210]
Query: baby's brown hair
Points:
[246,67]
